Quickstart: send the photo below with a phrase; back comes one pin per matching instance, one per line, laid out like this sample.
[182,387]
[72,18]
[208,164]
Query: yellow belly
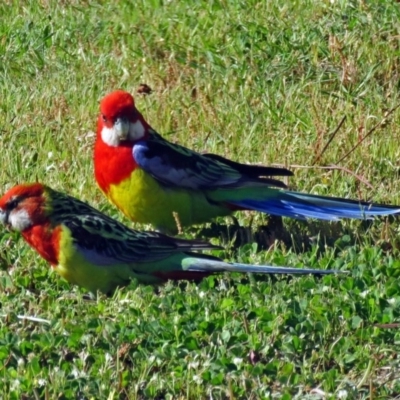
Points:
[76,269]
[142,199]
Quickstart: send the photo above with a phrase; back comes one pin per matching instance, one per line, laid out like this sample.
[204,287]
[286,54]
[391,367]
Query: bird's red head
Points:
[119,120]
[22,206]
[117,104]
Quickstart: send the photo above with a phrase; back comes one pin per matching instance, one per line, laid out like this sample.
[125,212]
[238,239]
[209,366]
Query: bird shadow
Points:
[301,236]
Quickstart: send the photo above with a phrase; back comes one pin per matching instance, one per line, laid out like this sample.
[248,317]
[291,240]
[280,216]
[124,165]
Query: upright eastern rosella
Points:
[154,181]
[94,251]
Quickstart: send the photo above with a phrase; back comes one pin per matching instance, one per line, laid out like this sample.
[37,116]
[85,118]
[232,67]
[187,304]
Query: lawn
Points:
[311,85]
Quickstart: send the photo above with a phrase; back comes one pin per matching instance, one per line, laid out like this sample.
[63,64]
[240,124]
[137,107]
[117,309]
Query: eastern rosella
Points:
[94,251]
[154,181]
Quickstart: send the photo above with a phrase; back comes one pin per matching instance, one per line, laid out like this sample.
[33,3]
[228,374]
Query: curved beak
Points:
[121,127]
[4,216]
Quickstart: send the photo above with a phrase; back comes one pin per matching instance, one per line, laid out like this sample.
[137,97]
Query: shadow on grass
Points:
[301,236]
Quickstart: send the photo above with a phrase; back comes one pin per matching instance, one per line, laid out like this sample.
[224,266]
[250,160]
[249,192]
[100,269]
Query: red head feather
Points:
[39,233]
[22,190]
[112,164]
[117,104]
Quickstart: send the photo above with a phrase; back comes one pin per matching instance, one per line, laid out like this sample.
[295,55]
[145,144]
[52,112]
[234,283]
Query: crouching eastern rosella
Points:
[94,251]
[154,181]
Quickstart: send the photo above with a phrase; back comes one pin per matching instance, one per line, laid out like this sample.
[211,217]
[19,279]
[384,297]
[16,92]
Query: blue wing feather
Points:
[175,165]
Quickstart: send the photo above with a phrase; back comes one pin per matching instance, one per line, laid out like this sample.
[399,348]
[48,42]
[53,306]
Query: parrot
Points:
[98,253]
[153,181]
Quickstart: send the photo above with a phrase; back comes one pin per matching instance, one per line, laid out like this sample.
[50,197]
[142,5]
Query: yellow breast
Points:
[76,269]
[142,199]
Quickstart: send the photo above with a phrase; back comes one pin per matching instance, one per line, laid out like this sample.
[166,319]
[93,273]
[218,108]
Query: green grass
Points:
[262,82]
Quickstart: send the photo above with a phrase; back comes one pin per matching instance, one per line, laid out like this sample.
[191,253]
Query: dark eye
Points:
[12,203]
[104,118]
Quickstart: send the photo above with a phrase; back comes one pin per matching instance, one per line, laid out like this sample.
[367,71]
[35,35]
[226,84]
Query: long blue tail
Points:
[213,266]
[302,206]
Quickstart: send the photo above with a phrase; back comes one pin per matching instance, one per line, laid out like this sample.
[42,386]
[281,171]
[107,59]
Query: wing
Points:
[104,241]
[254,171]
[175,165]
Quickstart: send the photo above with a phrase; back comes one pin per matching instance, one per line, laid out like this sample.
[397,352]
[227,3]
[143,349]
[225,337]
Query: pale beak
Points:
[121,127]
[4,216]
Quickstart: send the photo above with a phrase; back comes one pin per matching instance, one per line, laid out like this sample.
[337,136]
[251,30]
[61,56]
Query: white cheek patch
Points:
[19,220]
[136,130]
[110,136]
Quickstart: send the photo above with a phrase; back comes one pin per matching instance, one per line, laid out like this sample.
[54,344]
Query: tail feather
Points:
[214,266]
[301,206]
